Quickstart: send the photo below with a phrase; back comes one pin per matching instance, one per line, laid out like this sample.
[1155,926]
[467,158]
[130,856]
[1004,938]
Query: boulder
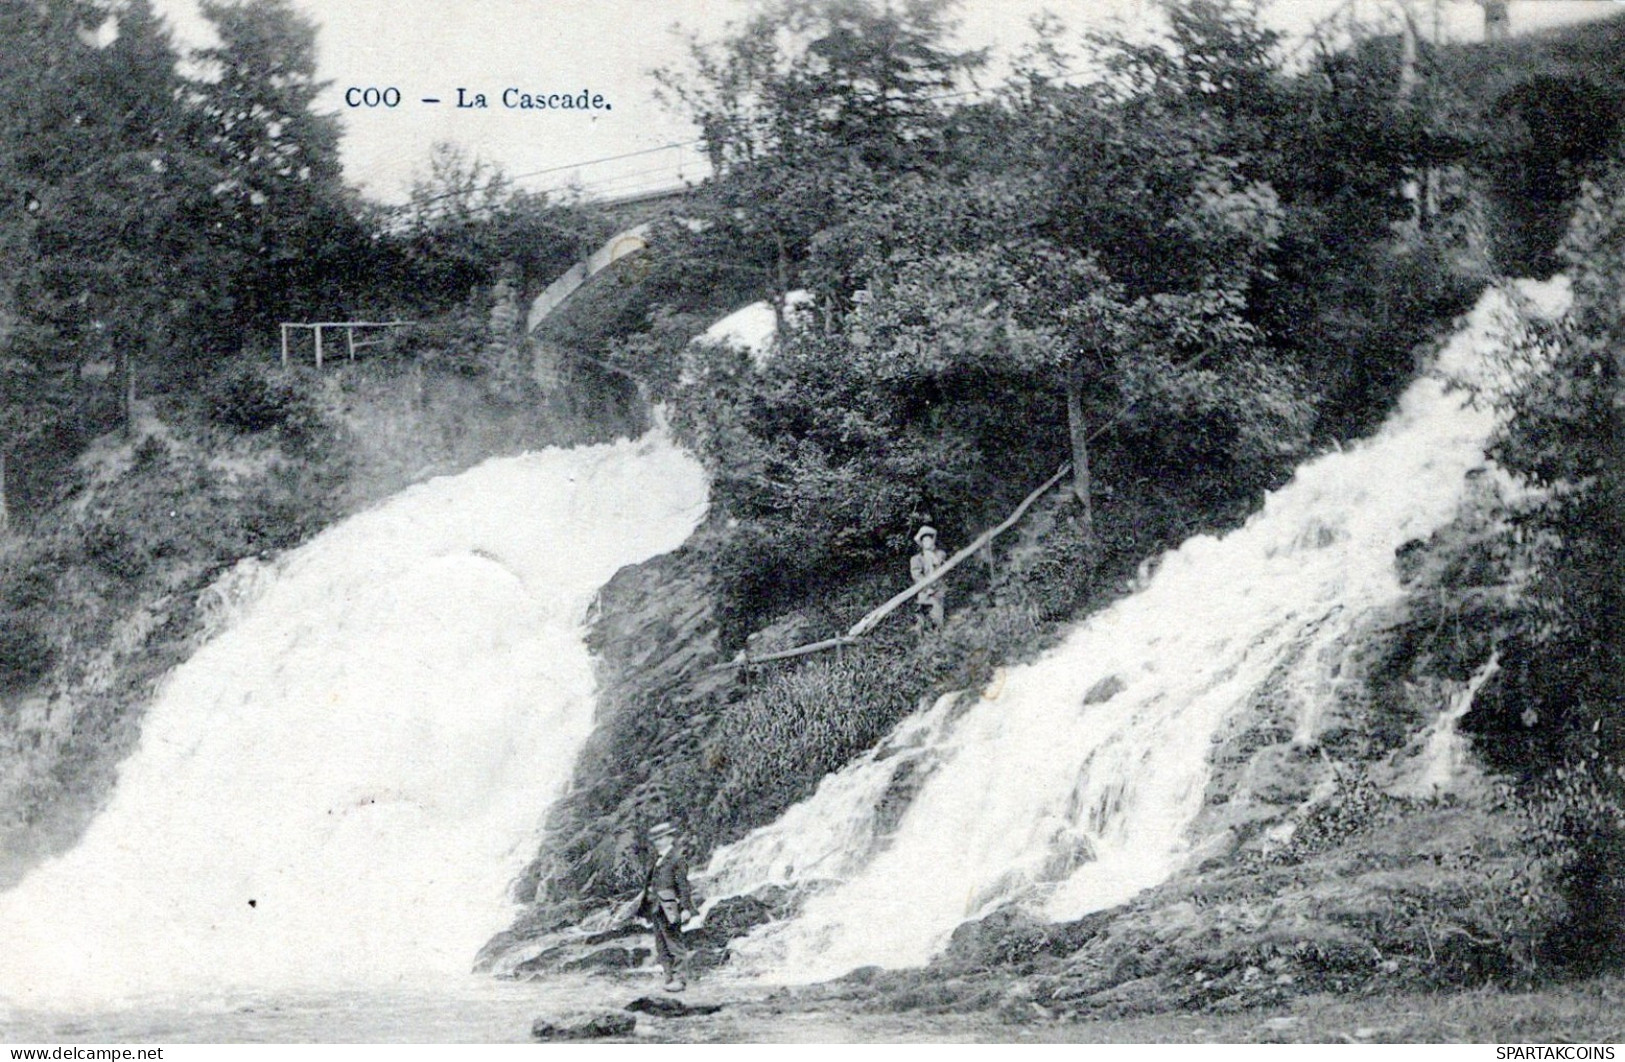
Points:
[598,1027]
[1011,936]
[661,1007]
[544,962]
[732,917]
[1006,935]
[1104,690]
[625,929]
[735,916]
[609,959]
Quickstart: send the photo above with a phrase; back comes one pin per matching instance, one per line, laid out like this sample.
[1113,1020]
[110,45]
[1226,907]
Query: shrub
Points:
[255,398]
[777,741]
[1575,826]
[114,549]
[25,652]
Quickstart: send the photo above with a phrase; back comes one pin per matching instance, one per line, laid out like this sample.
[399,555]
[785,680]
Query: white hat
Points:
[926,530]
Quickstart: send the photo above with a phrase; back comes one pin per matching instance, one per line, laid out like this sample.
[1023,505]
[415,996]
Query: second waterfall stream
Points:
[1072,782]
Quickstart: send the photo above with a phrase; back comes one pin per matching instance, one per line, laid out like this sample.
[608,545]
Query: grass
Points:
[1584,1012]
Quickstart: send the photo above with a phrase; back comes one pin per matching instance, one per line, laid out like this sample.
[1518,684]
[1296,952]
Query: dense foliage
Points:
[1174,271]
[1555,720]
[1184,275]
[165,209]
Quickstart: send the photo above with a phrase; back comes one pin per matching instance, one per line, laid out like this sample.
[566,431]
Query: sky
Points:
[608,48]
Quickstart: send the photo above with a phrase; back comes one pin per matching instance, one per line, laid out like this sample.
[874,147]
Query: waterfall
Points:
[340,786]
[1071,783]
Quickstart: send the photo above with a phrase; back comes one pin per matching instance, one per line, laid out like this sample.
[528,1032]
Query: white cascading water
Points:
[338,789]
[1072,782]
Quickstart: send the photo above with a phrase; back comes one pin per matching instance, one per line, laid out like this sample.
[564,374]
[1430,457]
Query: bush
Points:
[25,652]
[1575,825]
[256,398]
[796,726]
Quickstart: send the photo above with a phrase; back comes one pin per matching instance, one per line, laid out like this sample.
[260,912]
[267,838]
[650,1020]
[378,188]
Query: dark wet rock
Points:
[863,975]
[1012,937]
[733,917]
[609,959]
[535,922]
[662,1007]
[737,915]
[544,962]
[1002,937]
[654,628]
[1104,690]
[626,929]
[599,1027]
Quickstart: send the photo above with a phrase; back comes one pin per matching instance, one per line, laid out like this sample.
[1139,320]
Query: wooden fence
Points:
[351,344]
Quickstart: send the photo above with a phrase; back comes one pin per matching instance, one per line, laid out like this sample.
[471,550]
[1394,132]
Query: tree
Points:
[465,221]
[134,236]
[807,109]
[291,220]
[94,138]
[1065,266]
[1555,720]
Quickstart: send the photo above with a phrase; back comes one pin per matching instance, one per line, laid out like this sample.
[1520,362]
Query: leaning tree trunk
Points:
[1079,429]
[779,280]
[1613,487]
[127,356]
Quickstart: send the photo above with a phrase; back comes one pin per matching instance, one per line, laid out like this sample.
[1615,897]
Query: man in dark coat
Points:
[668,900]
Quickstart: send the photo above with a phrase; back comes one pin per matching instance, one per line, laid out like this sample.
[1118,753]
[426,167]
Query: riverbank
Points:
[478,1010]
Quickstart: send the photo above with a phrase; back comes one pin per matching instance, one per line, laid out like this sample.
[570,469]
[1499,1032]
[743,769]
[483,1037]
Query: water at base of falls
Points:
[1071,783]
[338,789]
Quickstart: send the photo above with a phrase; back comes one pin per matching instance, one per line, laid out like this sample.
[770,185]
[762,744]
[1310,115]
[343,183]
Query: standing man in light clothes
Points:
[930,602]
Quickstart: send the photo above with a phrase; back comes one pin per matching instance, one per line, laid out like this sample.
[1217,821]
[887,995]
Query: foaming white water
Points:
[339,789]
[1073,785]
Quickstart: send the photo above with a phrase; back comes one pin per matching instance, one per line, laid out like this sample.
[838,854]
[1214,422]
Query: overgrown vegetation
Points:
[163,211]
[1179,276]
[1557,718]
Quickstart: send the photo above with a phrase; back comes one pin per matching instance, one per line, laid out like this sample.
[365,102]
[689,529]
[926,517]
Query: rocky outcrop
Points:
[654,638]
[600,1027]
[654,630]
[663,1007]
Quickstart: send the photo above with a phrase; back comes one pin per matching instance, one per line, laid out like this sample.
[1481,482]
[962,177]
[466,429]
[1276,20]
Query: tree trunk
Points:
[1613,486]
[781,289]
[1079,429]
[127,355]
[5,510]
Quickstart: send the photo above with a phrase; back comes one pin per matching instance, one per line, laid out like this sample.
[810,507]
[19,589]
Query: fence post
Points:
[284,329]
[318,345]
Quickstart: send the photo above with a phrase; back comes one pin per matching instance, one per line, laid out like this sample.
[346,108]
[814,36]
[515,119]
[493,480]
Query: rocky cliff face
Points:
[653,634]
[653,631]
